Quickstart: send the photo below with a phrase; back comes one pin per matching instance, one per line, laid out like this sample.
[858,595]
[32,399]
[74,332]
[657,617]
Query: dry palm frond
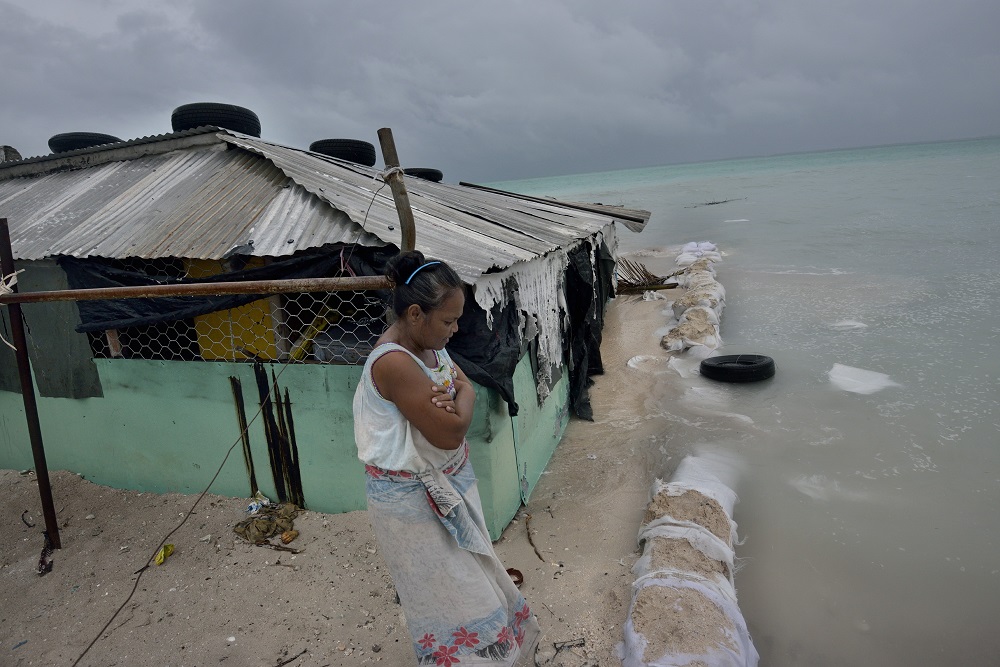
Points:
[633,278]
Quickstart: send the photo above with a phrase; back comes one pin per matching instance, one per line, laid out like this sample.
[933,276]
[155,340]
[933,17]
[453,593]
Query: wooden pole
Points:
[28,393]
[407,227]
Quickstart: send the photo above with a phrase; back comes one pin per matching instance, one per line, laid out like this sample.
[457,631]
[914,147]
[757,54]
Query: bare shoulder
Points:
[396,369]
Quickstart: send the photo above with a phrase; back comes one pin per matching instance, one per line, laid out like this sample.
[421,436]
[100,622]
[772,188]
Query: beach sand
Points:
[219,600]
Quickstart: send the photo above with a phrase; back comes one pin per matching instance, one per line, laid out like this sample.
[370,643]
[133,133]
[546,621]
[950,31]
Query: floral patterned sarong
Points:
[460,604]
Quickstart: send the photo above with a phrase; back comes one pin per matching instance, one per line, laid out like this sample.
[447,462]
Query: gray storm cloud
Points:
[488,91]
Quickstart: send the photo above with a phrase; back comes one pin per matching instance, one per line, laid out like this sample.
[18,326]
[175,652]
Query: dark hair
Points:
[416,280]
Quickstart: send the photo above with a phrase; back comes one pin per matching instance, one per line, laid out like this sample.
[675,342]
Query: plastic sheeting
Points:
[684,609]
[859,380]
[103,314]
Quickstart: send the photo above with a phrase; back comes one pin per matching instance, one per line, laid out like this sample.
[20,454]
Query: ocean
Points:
[868,468]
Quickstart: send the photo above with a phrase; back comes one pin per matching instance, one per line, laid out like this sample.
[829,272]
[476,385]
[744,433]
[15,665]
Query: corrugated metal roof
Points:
[474,230]
[197,203]
[199,200]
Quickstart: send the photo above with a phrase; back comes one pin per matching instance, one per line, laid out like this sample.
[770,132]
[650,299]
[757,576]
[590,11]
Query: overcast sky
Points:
[487,91]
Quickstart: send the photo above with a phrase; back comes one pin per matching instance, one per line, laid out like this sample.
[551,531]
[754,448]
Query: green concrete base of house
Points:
[166,426]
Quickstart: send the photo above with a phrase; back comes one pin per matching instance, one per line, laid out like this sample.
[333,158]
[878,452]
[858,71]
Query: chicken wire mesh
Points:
[307,327]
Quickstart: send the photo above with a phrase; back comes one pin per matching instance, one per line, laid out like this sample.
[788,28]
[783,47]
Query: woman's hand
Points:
[442,419]
[442,398]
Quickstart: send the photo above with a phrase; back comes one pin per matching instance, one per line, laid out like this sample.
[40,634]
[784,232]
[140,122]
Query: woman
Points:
[412,410]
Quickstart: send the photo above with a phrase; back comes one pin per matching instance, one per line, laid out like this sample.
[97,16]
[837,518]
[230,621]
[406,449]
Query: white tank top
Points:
[383,435]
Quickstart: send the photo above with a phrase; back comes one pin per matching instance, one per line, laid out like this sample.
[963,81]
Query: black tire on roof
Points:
[425,173]
[71,141]
[738,367]
[9,154]
[228,116]
[352,150]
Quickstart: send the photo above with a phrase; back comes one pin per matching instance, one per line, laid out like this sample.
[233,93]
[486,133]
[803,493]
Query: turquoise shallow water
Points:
[870,519]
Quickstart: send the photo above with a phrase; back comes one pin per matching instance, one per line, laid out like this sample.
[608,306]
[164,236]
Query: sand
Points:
[221,601]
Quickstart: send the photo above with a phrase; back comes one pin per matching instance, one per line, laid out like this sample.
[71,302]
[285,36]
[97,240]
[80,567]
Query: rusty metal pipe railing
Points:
[204,289]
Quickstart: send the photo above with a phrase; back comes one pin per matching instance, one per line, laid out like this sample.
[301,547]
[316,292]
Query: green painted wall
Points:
[491,451]
[167,425]
[537,428]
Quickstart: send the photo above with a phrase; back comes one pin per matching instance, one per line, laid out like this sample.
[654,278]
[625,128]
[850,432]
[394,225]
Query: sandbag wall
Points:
[699,310]
[684,609]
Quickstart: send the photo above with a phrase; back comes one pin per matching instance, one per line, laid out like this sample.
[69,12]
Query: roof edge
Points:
[633,218]
[116,152]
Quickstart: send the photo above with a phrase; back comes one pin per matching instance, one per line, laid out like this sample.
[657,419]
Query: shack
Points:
[151,394]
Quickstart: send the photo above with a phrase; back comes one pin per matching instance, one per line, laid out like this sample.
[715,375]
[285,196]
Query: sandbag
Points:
[684,609]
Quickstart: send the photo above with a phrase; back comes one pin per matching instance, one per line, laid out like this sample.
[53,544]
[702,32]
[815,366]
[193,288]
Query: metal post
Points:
[395,180]
[28,393]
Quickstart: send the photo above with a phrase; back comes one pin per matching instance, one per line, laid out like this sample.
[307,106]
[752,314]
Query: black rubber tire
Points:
[424,173]
[71,141]
[352,150]
[9,154]
[738,368]
[229,116]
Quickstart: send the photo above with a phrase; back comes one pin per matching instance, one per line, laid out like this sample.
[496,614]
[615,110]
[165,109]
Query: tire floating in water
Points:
[738,368]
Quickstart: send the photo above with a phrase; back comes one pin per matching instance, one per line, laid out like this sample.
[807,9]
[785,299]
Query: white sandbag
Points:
[660,605]
[689,258]
[684,609]
[697,473]
[695,246]
[711,546]
[698,325]
[704,295]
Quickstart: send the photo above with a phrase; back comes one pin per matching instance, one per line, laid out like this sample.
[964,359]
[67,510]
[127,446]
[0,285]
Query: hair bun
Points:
[399,267]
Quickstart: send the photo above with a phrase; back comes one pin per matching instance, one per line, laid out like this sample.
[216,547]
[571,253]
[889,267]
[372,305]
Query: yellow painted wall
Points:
[240,333]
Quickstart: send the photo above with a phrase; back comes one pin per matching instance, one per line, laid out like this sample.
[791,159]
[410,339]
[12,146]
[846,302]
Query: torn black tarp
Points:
[106,314]
[588,288]
[489,356]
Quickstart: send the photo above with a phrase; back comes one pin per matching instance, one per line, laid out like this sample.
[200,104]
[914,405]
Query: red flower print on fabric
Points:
[522,614]
[465,638]
[426,641]
[520,636]
[505,636]
[445,655]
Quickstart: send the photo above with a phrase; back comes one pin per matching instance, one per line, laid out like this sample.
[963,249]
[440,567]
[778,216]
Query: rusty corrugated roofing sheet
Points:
[474,230]
[209,193]
[197,203]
